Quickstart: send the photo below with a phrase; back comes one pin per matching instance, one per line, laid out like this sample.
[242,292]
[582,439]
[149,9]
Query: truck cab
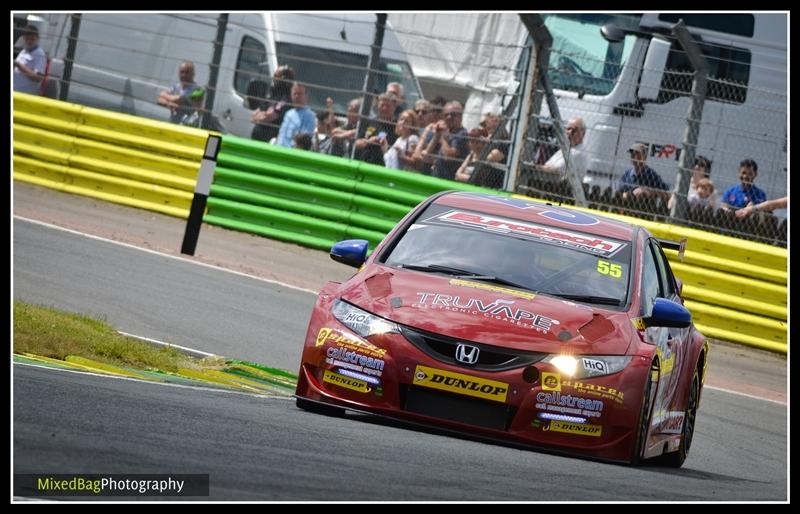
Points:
[636,89]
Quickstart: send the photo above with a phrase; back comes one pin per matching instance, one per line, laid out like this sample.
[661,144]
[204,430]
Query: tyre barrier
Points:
[312,199]
[106,155]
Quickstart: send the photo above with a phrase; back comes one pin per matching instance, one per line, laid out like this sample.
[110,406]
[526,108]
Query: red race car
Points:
[514,320]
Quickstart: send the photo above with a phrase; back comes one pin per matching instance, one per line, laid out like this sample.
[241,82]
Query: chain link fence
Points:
[630,93]
[629,162]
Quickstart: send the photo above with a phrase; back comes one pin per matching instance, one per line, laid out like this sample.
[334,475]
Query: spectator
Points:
[746,193]
[701,170]
[342,137]
[704,194]
[578,160]
[299,119]
[326,122]
[424,113]
[437,106]
[475,171]
[270,112]
[377,135]
[422,161]
[30,64]
[194,117]
[177,98]
[401,154]
[498,149]
[448,143]
[766,206]
[641,181]
[302,140]
[397,90]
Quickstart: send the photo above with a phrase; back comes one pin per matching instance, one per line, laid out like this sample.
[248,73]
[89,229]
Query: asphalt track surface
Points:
[257,448]
[160,297]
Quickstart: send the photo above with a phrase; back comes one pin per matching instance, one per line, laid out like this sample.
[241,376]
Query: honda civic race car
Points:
[514,320]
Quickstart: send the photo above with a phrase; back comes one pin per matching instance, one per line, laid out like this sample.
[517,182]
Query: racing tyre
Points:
[319,408]
[644,418]
[675,459]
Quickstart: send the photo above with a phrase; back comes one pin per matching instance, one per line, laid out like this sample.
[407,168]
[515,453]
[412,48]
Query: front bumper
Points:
[387,375]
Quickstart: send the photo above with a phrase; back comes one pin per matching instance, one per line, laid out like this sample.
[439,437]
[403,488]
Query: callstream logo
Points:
[460,384]
[110,485]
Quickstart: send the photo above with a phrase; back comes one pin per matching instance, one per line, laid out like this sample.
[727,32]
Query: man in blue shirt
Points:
[299,120]
[641,181]
[746,193]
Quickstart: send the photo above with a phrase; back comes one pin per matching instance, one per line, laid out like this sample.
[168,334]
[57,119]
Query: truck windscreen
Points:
[581,60]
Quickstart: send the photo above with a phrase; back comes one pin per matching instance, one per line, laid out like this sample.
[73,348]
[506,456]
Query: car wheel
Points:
[319,408]
[675,459]
[644,417]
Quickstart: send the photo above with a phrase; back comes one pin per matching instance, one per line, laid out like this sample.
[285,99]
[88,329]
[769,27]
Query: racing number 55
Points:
[606,268]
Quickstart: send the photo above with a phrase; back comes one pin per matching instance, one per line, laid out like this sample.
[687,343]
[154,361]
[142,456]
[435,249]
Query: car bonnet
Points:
[488,313]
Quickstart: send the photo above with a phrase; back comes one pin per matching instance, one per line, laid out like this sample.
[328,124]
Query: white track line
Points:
[746,395]
[154,252]
[169,384]
[162,343]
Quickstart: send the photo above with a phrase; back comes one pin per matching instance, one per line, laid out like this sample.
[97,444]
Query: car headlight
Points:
[360,321]
[588,366]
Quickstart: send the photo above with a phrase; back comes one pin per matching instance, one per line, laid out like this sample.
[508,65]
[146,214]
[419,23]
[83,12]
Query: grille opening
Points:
[490,358]
[451,407]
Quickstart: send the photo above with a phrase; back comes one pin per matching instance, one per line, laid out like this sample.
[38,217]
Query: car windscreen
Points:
[532,256]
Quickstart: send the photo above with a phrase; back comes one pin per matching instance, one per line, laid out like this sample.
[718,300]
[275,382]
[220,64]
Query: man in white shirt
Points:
[29,66]
[578,160]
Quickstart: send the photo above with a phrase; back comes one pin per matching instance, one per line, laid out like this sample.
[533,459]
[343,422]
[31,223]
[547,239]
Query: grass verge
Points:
[56,334]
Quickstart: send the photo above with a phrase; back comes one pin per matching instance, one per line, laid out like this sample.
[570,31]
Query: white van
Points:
[123,61]
[624,95]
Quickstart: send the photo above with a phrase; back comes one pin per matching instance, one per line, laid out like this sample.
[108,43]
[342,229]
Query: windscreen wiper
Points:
[460,273]
[497,280]
[603,300]
[438,268]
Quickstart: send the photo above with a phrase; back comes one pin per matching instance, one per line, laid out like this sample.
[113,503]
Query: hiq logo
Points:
[594,365]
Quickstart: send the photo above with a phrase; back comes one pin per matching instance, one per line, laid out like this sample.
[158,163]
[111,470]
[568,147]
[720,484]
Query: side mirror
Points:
[667,313]
[352,252]
[612,33]
[653,70]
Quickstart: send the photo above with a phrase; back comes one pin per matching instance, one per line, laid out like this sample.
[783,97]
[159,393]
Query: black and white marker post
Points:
[204,178]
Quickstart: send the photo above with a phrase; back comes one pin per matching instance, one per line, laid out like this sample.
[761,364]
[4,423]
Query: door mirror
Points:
[667,313]
[612,33]
[653,70]
[352,252]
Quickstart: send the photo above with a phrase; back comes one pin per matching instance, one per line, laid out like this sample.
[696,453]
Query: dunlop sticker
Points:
[346,382]
[460,384]
[576,428]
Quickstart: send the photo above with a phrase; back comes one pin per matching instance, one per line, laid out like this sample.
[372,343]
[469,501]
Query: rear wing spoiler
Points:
[680,246]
